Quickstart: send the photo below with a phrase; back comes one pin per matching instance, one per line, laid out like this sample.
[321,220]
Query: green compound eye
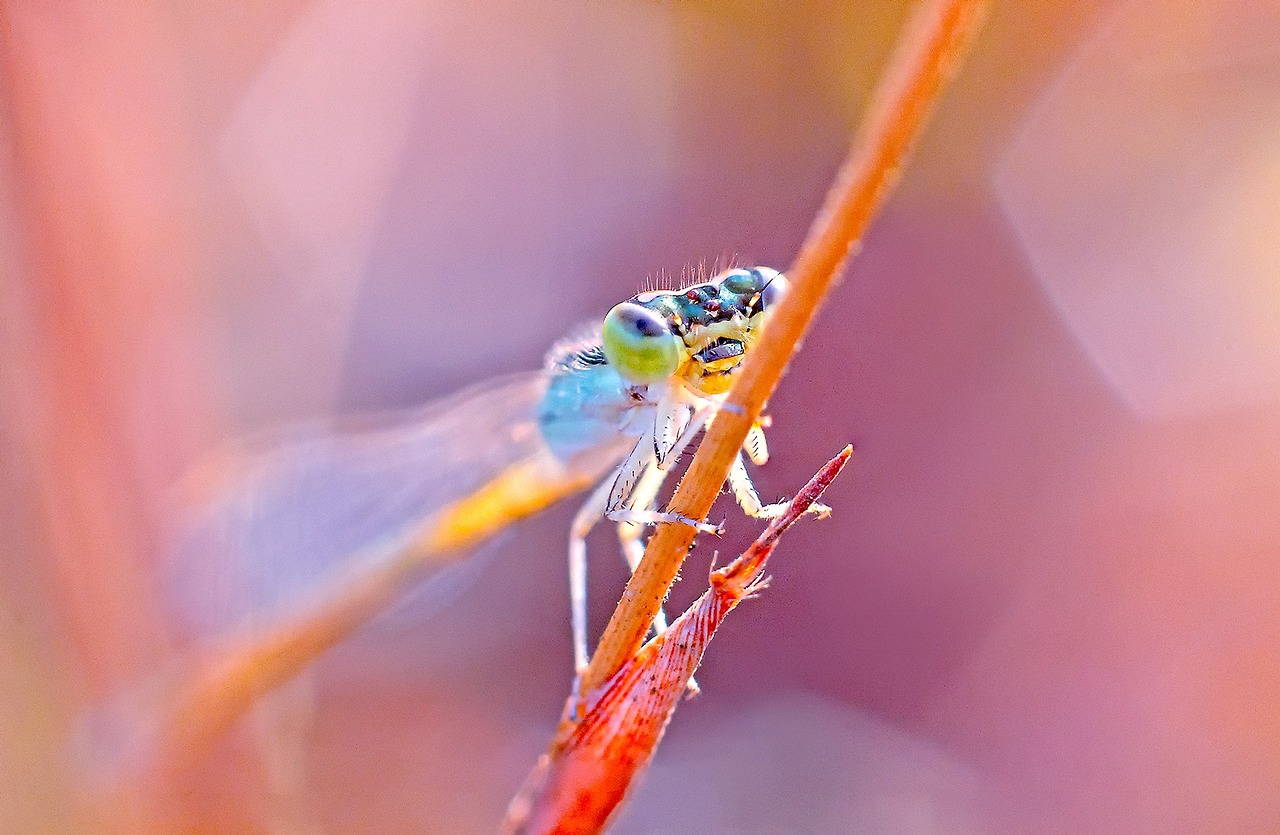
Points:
[639,345]
[742,282]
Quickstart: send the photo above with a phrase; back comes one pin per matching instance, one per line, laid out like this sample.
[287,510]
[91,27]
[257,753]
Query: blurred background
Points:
[1048,598]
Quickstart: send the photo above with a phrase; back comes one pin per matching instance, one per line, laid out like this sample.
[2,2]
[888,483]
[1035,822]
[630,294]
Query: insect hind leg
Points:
[591,512]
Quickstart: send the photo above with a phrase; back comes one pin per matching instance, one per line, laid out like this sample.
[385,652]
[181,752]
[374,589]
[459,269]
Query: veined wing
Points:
[319,511]
[324,530]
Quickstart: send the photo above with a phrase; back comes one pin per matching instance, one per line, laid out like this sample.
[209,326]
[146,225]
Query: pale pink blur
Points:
[1049,597]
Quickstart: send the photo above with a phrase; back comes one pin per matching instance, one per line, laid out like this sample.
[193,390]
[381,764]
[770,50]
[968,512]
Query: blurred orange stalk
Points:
[580,783]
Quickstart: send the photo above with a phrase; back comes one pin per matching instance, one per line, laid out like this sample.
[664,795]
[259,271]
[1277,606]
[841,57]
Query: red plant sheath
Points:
[580,783]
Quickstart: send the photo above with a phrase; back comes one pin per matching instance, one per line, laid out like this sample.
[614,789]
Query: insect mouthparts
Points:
[720,349]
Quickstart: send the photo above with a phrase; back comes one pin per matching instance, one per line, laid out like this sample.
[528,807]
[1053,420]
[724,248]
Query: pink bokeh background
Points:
[1047,600]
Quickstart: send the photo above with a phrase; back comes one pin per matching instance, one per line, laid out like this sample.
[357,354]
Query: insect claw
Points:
[575,707]
[714,530]
[704,527]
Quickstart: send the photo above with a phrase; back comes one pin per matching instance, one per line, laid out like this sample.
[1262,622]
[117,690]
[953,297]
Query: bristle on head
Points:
[659,282]
[692,276]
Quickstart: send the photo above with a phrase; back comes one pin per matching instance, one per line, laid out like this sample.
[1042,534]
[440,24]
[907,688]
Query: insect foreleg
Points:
[629,472]
[670,426]
[630,533]
[630,538]
[749,500]
[622,506]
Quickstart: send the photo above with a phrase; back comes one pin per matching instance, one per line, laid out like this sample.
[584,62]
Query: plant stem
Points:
[927,56]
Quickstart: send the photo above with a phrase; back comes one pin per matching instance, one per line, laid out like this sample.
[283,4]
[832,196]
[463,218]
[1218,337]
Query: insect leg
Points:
[629,537]
[584,520]
[637,477]
[629,473]
[630,533]
[749,500]
[755,447]
[621,506]
[670,426]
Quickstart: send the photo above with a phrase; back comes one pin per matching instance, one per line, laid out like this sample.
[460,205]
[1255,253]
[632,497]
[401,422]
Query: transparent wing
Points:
[291,515]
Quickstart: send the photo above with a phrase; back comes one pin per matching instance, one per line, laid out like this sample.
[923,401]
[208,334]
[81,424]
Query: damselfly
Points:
[323,529]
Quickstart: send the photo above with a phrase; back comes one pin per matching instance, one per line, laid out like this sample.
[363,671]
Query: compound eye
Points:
[639,345]
[775,287]
[742,282]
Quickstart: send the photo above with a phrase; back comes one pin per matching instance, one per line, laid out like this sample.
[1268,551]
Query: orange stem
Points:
[927,56]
